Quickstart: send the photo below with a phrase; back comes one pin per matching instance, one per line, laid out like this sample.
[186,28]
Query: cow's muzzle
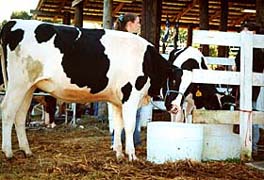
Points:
[174,109]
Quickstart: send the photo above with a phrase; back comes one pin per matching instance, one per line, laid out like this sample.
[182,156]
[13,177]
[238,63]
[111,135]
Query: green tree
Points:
[2,23]
[20,15]
[17,15]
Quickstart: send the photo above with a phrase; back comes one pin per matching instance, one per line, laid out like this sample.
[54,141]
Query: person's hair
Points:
[123,19]
[252,26]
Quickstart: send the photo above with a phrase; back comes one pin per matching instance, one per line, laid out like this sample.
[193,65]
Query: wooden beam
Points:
[215,15]
[184,11]
[45,13]
[221,61]
[76,2]
[118,8]
[258,41]
[216,38]
[223,117]
[223,77]
[62,5]
[224,38]
[239,20]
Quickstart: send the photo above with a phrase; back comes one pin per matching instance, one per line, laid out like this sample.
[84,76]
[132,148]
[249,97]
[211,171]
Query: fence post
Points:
[246,53]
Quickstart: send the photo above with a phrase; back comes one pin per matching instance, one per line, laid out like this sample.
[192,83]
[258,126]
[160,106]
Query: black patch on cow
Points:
[140,82]
[156,68]
[44,32]
[207,98]
[10,38]
[175,53]
[84,61]
[204,66]
[126,90]
[190,64]
[227,101]
[173,83]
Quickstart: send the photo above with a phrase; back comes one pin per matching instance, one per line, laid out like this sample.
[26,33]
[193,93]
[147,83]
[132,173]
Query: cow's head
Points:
[174,89]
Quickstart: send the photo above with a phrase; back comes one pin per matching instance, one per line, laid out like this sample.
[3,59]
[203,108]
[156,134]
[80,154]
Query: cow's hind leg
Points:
[20,122]
[10,106]
[118,126]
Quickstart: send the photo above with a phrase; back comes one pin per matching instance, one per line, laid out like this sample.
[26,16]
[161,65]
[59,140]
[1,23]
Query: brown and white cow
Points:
[79,65]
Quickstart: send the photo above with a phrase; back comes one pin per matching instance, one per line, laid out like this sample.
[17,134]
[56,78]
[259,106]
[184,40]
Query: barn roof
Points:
[184,11]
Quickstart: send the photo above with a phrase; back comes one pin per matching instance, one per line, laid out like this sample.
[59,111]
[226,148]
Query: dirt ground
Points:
[84,153]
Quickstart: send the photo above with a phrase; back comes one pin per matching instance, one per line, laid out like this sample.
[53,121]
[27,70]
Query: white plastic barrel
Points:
[220,143]
[169,141]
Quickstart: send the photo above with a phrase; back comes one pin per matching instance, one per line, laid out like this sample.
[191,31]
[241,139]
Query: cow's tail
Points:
[3,65]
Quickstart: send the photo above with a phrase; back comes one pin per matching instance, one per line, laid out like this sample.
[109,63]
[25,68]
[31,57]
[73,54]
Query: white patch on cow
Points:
[219,96]
[185,82]
[189,104]
[125,63]
[178,117]
[189,53]
[79,35]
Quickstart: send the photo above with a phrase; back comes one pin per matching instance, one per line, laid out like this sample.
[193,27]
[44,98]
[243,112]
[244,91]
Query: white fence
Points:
[245,78]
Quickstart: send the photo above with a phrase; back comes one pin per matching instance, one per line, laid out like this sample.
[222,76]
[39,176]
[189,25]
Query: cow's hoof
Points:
[132,157]
[26,153]
[8,155]
[119,156]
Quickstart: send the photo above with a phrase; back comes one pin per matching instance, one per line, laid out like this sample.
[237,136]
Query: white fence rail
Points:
[245,78]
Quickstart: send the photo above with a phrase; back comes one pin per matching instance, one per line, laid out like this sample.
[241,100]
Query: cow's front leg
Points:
[118,127]
[20,122]
[129,117]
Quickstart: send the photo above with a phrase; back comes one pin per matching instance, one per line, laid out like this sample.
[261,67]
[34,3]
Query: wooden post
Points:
[260,12]
[176,37]
[204,22]
[107,24]
[67,18]
[222,50]
[107,16]
[78,12]
[189,35]
[246,53]
[151,17]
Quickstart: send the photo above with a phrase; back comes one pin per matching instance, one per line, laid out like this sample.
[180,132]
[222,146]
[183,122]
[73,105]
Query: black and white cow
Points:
[79,65]
[196,95]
